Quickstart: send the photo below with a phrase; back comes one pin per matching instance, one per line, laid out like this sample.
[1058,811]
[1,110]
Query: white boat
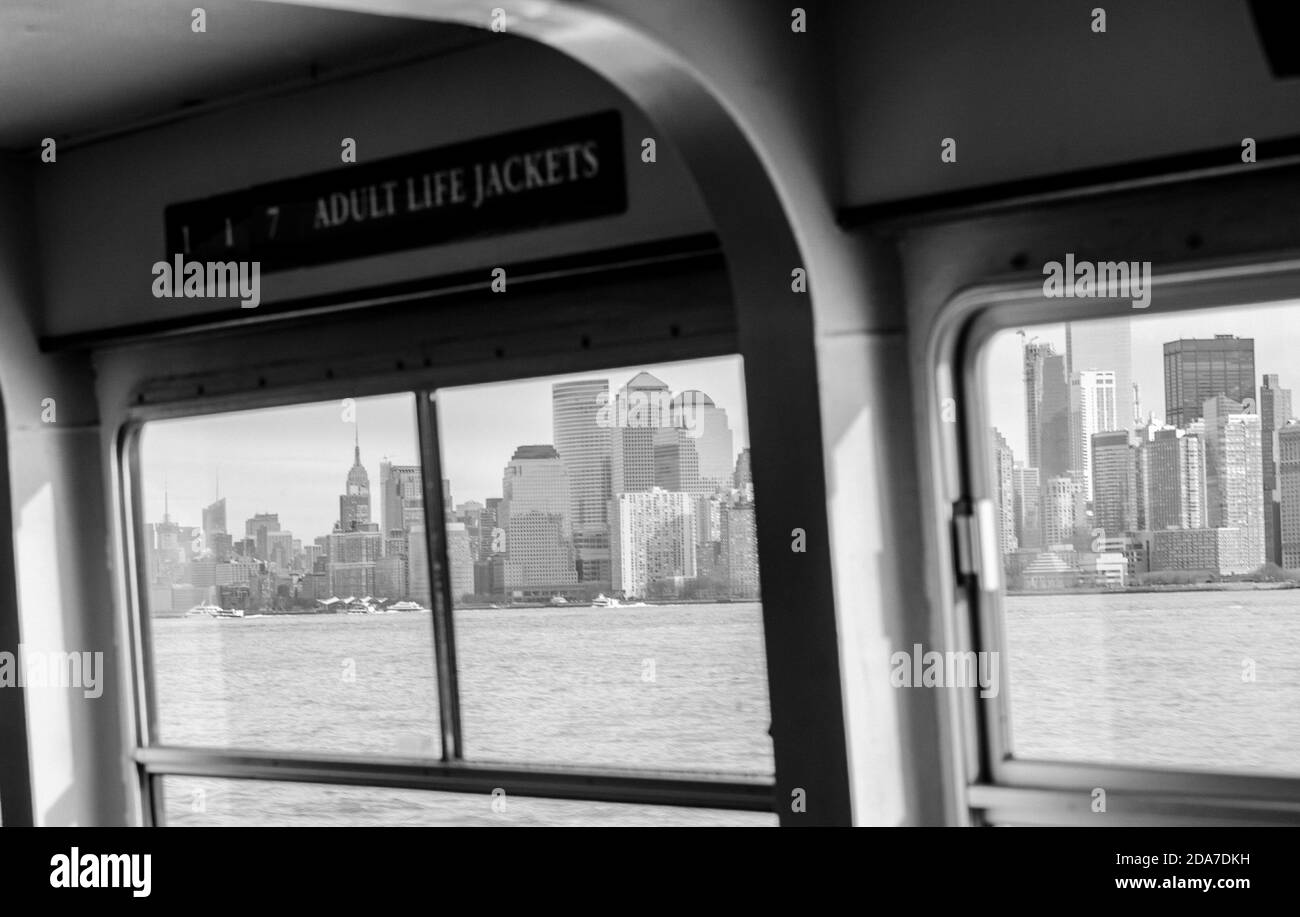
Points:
[406,606]
[205,611]
[603,601]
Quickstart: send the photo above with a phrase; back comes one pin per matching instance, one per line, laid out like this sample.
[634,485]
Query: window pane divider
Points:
[435,533]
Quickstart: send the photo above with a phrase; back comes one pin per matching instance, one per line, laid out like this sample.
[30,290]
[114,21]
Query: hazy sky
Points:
[294,461]
[1276,330]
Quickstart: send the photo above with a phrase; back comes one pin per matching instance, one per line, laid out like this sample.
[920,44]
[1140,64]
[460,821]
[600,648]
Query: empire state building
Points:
[354,503]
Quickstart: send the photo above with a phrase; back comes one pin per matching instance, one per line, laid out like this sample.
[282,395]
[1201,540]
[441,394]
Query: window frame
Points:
[154,760]
[999,787]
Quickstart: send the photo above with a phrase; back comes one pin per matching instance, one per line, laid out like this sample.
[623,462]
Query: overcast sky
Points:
[294,461]
[1276,330]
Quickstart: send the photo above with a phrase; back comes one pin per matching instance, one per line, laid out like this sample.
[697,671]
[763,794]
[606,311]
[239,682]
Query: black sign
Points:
[556,173]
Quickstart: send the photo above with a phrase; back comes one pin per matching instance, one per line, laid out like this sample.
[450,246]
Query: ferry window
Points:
[582,631]
[281,602]
[1144,473]
[206,802]
[604,569]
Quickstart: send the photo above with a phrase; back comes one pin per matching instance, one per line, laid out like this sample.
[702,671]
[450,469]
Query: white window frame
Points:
[999,788]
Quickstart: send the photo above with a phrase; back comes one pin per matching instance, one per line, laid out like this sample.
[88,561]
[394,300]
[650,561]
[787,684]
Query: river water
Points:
[1142,678]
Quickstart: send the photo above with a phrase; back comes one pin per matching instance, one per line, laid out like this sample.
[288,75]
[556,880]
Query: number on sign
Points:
[274,214]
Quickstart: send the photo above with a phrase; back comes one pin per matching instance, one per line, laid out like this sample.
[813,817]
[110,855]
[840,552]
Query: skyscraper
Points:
[1234,474]
[257,529]
[1035,372]
[354,504]
[652,541]
[1105,344]
[1004,492]
[1054,424]
[639,409]
[1092,410]
[1198,369]
[1027,506]
[584,445]
[1288,482]
[535,514]
[214,524]
[706,424]
[1274,412]
[401,497]
[1114,483]
[1171,470]
[1064,510]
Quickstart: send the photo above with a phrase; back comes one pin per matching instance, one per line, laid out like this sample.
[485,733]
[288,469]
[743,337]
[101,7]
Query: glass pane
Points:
[206,801]
[283,615]
[605,569]
[1146,471]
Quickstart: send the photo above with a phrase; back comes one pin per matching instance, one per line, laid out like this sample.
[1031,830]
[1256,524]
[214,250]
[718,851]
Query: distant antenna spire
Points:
[356,430]
[1137,405]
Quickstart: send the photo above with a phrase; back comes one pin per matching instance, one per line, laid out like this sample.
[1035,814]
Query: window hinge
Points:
[975,543]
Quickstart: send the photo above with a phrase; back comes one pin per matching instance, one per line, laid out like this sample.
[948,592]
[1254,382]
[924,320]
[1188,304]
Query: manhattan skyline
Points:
[1276,334]
[293,460]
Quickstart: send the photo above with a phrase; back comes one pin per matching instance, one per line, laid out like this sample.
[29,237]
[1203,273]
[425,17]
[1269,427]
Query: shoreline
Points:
[1179,587]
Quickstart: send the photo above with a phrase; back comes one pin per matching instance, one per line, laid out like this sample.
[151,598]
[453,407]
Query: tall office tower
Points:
[1114,483]
[279,549]
[1092,410]
[1288,485]
[1004,498]
[1234,473]
[638,411]
[1171,469]
[1035,356]
[390,577]
[401,497]
[1027,506]
[652,541]
[743,474]
[417,566]
[459,562]
[1064,510]
[535,514]
[740,549]
[353,558]
[706,424]
[354,504]
[214,522]
[1105,344]
[584,445]
[257,529]
[1054,423]
[1274,412]
[491,523]
[1197,369]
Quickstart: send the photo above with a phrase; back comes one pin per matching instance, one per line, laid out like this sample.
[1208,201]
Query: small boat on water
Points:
[603,601]
[559,600]
[406,606]
[214,611]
